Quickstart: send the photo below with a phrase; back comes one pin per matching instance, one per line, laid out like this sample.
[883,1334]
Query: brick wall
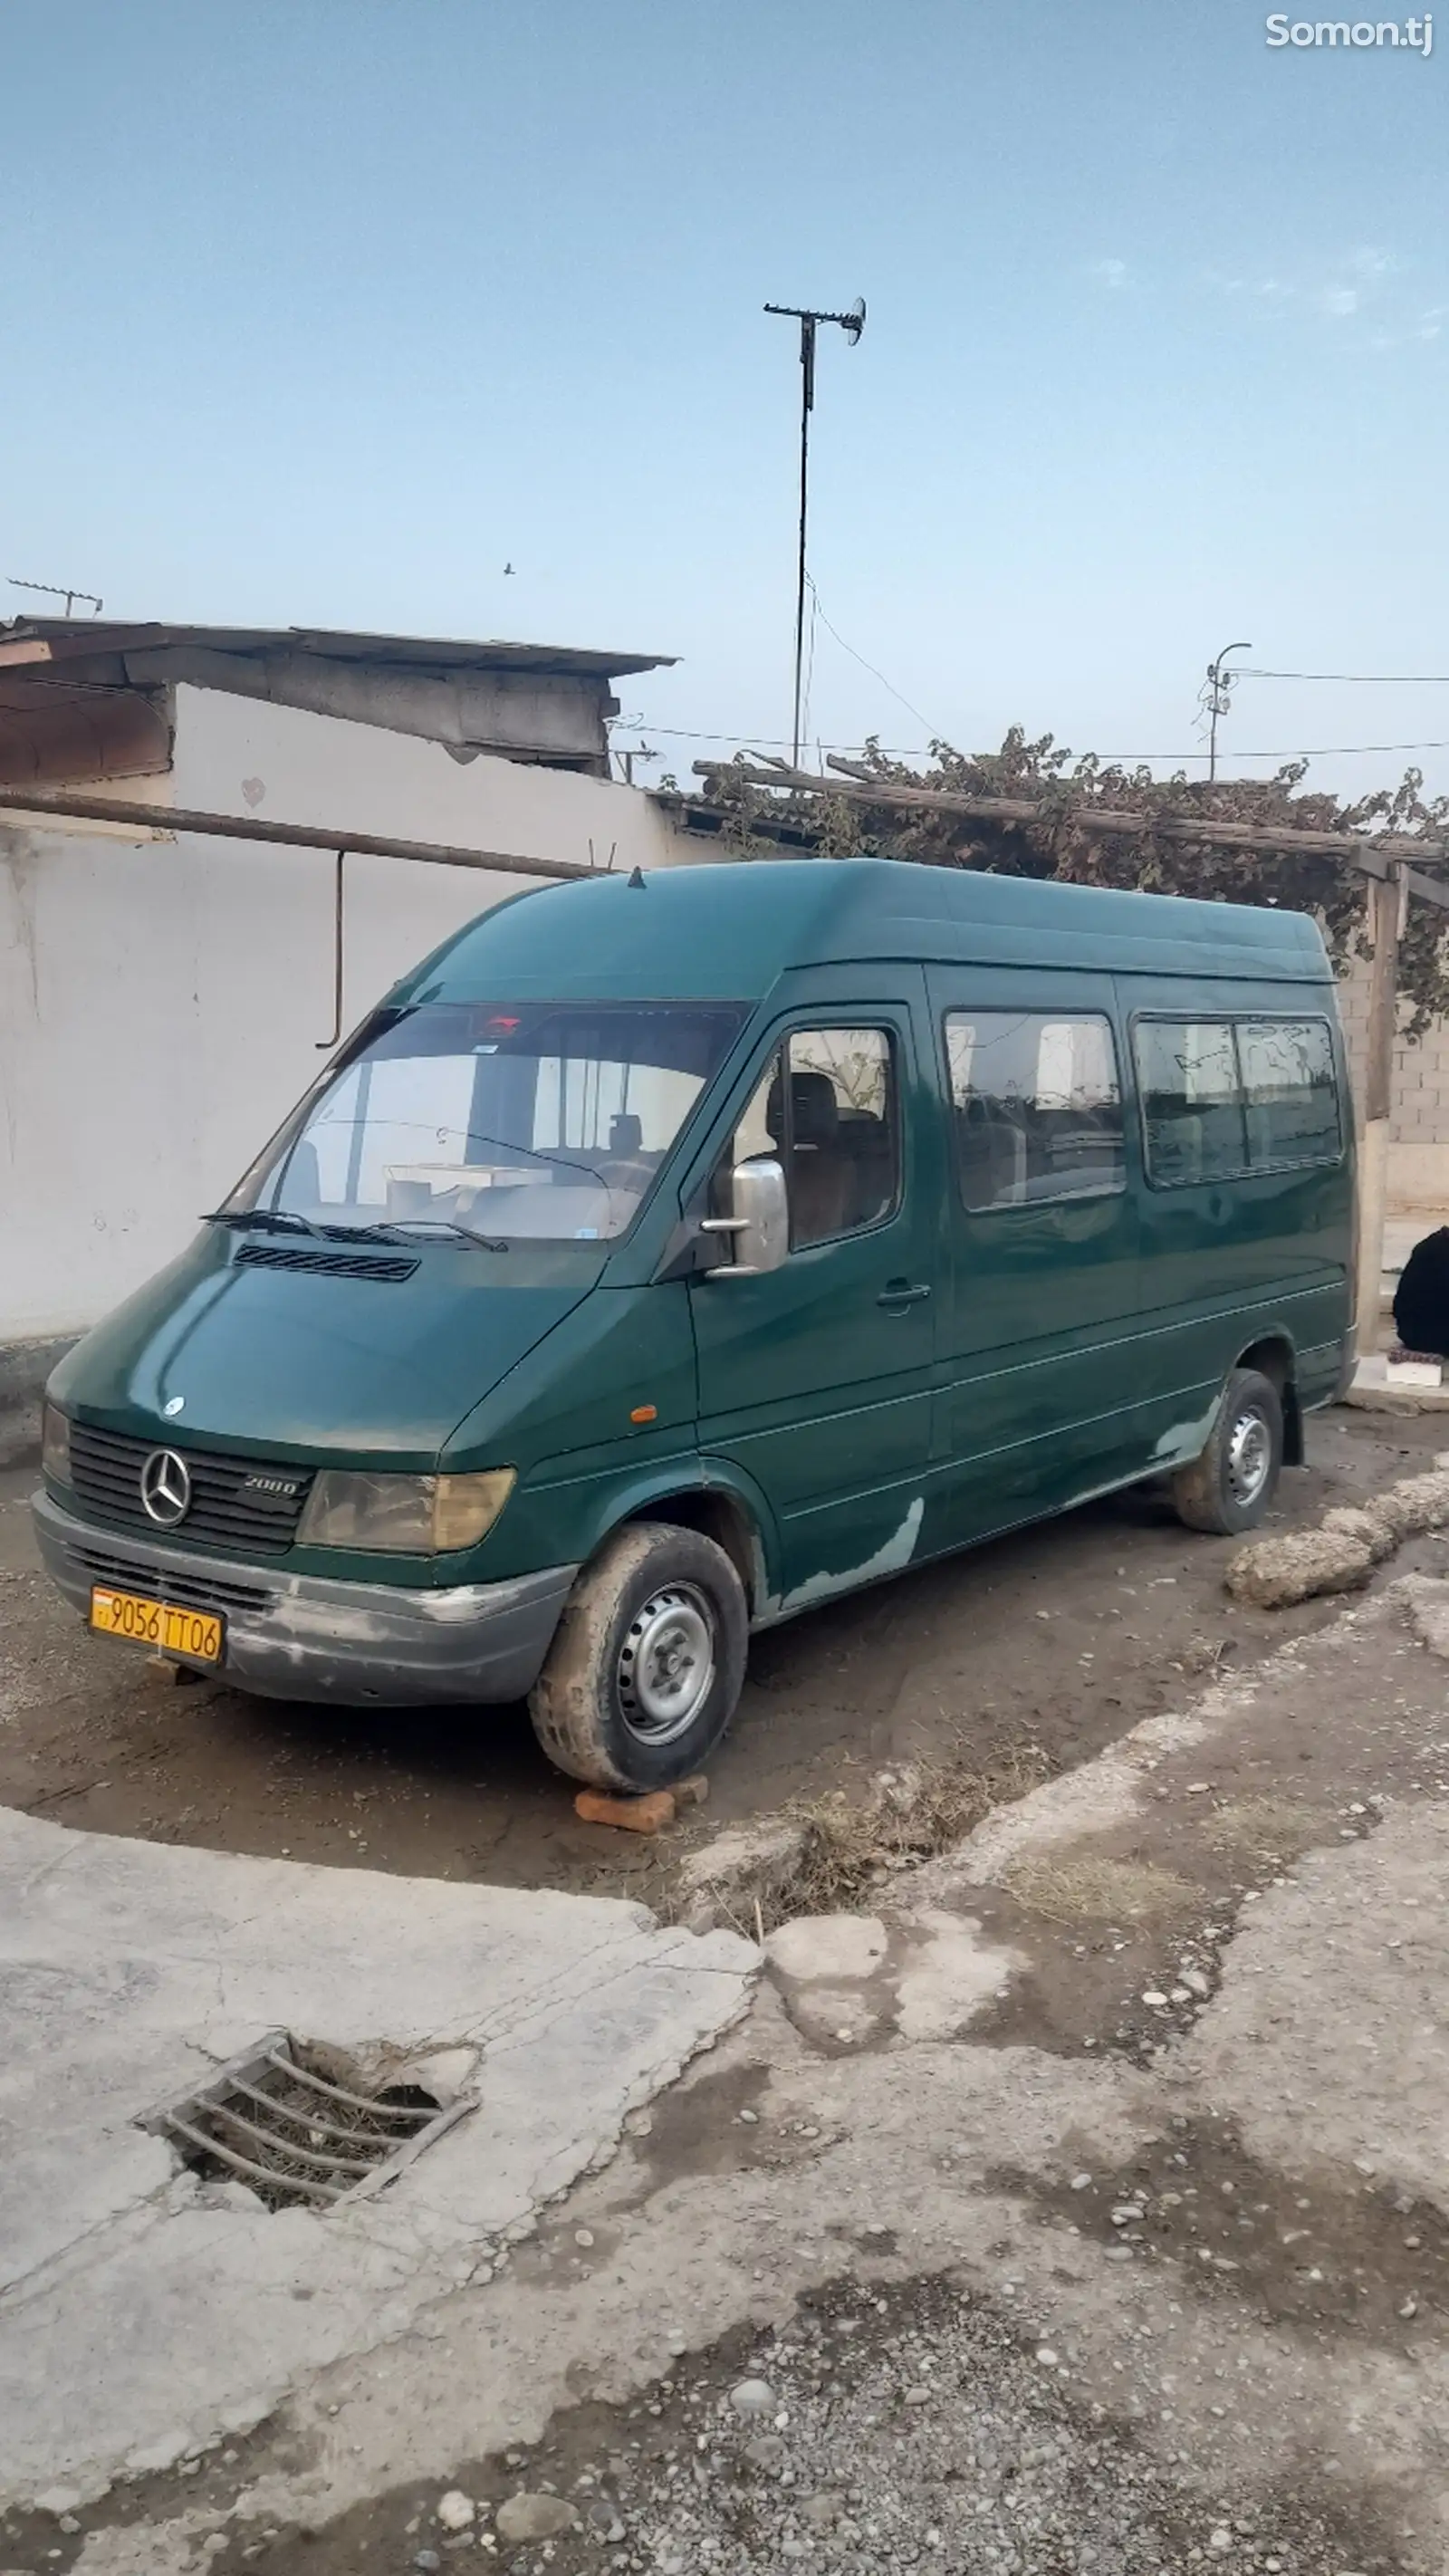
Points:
[1419,1125]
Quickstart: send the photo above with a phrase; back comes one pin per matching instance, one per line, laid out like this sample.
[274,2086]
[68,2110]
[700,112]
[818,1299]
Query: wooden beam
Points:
[1372,853]
[1387,900]
[1428,889]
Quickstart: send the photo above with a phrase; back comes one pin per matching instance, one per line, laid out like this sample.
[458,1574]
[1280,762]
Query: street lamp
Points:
[1219,698]
[852,323]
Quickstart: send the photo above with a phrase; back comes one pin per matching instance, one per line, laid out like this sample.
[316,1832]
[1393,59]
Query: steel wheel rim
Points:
[666,1664]
[1250,1456]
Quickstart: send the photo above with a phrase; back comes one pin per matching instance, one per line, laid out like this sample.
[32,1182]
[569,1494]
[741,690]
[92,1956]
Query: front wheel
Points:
[1229,1486]
[645,1670]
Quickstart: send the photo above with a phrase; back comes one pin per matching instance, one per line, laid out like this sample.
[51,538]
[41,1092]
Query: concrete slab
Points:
[1374,1391]
[828,1946]
[144,2314]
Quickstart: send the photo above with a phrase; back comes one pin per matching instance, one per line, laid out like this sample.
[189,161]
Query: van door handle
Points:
[897,1294]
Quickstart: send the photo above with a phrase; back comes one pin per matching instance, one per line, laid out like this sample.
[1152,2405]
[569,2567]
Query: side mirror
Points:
[759,1230]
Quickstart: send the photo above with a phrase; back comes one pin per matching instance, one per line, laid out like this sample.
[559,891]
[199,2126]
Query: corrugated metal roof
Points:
[65,639]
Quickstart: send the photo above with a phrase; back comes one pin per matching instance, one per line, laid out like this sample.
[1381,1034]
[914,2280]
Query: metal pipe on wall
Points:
[300,836]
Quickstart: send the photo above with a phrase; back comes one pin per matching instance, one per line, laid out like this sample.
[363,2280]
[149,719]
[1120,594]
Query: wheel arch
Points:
[1274,1358]
[717,1512]
[714,1498]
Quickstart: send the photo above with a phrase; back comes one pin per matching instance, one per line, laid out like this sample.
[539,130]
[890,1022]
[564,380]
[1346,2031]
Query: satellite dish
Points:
[855,319]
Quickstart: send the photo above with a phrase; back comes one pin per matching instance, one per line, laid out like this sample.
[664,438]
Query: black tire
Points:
[1230,1486]
[647,1663]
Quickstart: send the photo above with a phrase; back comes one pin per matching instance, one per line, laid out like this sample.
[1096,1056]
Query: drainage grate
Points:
[300,2125]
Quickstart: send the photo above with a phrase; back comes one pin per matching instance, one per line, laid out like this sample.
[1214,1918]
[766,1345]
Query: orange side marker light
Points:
[645,1413]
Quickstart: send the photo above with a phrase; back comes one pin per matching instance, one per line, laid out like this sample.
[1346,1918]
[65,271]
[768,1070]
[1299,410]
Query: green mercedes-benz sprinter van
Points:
[669,1254]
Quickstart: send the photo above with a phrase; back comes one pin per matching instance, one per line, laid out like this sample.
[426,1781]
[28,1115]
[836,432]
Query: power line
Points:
[781,742]
[921,751]
[868,666]
[1323,751]
[1363,679]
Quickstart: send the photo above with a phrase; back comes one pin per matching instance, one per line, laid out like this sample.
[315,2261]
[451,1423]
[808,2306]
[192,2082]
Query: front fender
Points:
[629,1499]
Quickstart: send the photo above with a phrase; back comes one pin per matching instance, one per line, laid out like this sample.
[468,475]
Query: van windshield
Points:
[539,1119]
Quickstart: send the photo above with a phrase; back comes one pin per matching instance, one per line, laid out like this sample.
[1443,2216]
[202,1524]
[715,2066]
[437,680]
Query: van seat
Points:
[991,1158]
[865,1142]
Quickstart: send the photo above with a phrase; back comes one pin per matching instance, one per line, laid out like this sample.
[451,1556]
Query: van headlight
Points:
[403,1515]
[55,1444]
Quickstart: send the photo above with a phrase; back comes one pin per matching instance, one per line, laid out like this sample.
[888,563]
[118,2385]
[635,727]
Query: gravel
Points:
[916,2429]
[923,2426]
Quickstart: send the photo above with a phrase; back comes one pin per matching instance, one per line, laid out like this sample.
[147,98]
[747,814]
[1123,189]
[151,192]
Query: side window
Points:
[1289,1091]
[1221,1098]
[1192,1103]
[1036,1106]
[827,1108]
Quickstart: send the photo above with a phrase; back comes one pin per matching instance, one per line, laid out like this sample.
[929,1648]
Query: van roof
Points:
[729,932]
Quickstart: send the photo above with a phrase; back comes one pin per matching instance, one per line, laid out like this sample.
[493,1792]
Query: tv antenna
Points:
[57,590]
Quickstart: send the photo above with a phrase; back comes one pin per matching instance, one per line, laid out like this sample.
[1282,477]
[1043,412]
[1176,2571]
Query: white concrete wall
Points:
[161,999]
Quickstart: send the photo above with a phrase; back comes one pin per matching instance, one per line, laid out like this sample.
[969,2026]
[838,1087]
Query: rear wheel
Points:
[645,1670]
[1230,1486]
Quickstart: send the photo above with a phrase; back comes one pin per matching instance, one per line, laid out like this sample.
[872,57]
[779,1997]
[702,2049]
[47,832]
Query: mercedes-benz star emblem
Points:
[166,1488]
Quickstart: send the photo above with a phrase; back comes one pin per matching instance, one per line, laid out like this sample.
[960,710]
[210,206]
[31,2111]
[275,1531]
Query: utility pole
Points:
[1220,684]
[809,318]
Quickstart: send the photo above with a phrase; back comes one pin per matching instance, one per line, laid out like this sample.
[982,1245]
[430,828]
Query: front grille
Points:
[332,1265]
[227,1508]
[163,1583]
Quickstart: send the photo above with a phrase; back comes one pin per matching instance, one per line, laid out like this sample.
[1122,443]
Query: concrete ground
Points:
[1084,2207]
[144,2309]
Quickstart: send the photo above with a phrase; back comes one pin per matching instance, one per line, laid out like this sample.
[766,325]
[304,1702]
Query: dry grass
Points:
[1268,1827]
[852,1850]
[1098,1889]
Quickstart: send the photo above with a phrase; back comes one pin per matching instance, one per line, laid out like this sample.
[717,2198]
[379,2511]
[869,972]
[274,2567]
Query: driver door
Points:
[815,1378]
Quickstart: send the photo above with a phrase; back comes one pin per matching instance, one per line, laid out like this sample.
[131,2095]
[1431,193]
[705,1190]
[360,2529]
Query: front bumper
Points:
[301,1636]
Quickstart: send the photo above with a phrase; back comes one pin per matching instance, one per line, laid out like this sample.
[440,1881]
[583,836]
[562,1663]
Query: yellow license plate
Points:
[172,1631]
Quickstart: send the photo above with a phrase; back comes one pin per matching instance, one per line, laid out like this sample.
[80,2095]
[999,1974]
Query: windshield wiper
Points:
[273,1220]
[401,1226]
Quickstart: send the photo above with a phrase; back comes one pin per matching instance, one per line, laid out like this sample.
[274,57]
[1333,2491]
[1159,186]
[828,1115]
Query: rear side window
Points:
[1036,1106]
[1222,1098]
[1289,1092]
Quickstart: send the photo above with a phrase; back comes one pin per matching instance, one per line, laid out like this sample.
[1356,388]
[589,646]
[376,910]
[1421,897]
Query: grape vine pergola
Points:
[1368,871]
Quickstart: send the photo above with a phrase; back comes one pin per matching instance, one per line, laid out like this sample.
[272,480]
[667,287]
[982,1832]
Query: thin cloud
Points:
[1338,301]
[1265,290]
[1111,273]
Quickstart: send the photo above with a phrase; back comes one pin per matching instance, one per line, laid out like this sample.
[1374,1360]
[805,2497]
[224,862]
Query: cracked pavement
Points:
[1218,2208]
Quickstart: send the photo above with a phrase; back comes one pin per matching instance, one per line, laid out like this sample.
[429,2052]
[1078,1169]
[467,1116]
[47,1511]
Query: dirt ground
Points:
[1081,2210]
[1058,1639]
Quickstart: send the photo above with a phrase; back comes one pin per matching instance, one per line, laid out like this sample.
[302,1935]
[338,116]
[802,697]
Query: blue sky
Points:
[322,312]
